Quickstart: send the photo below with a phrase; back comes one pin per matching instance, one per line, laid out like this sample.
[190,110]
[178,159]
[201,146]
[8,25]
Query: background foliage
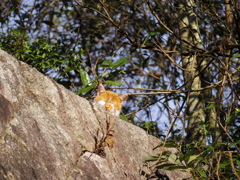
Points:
[140,48]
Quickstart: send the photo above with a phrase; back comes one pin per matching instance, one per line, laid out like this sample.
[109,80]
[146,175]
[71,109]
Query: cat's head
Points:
[110,101]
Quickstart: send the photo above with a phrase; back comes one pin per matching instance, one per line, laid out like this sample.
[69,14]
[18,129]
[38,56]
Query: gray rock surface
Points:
[48,132]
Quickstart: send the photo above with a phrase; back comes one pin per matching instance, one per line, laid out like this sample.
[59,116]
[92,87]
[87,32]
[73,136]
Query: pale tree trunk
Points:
[189,32]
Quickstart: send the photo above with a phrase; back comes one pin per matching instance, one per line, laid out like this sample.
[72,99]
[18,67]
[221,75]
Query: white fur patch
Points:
[117,112]
[101,102]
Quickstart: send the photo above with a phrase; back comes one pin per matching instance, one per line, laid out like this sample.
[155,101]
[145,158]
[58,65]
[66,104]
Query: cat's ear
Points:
[123,97]
[100,89]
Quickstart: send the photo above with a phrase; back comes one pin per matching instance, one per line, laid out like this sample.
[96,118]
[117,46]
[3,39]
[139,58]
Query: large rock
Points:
[48,132]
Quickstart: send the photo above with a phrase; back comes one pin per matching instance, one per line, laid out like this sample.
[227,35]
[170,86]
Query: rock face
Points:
[48,132]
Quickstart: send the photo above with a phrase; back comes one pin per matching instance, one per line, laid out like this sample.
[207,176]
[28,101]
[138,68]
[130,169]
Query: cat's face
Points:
[110,101]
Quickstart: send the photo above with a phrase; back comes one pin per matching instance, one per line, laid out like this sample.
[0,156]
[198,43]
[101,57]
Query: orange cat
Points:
[110,101]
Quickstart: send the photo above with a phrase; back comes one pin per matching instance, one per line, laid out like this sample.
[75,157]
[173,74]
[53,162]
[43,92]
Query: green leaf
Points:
[229,119]
[85,78]
[170,166]
[106,64]
[234,143]
[86,89]
[164,166]
[235,56]
[166,153]
[210,106]
[172,158]
[223,165]
[171,144]
[191,158]
[219,144]
[153,34]
[148,36]
[114,83]
[120,62]
[105,74]
[168,144]
[177,167]
[208,151]
[203,174]
[123,117]
[150,158]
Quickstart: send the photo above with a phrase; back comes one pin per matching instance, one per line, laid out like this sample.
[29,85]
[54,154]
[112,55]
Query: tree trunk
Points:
[189,32]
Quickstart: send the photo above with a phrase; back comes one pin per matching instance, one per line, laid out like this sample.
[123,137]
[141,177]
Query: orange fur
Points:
[110,101]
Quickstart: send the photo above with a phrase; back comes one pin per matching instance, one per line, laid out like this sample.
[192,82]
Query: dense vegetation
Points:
[178,60]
